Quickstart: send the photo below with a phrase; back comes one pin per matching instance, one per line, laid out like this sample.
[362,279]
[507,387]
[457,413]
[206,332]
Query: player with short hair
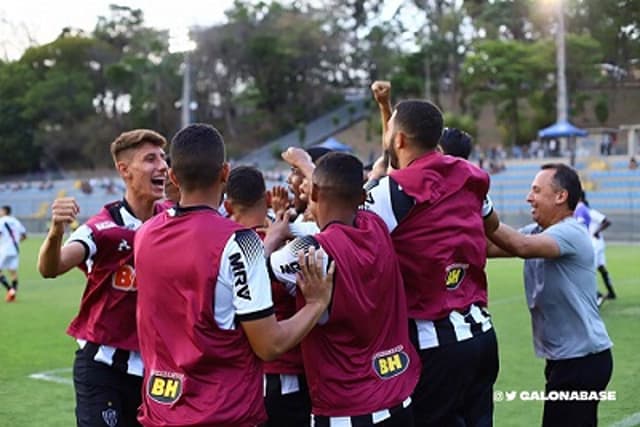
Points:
[12,232]
[286,395]
[360,365]
[202,349]
[433,207]
[107,370]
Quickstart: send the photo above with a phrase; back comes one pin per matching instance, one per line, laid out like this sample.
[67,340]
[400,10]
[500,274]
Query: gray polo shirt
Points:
[561,294]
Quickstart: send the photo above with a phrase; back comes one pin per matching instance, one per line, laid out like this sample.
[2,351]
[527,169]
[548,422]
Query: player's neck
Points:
[249,218]
[342,214]
[141,208]
[210,197]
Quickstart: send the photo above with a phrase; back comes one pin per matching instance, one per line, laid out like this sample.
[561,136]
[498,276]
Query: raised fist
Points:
[381,91]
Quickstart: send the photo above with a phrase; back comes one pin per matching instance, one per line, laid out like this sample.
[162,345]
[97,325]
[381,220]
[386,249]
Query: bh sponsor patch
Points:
[165,387]
[454,275]
[391,363]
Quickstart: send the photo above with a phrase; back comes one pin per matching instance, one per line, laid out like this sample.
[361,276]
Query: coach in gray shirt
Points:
[560,285]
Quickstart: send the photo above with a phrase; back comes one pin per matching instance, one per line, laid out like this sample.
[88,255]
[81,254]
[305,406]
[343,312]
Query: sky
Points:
[42,20]
[27,22]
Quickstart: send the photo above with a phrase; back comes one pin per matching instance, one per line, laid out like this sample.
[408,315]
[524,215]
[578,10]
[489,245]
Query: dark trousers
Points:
[456,385]
[588,373]
[400,417]
[105,397]
[287,410]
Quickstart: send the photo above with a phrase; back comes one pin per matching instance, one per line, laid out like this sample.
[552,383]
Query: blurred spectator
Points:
[633,164]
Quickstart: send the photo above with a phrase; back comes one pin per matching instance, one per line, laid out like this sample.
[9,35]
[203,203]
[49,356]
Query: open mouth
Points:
[159,181]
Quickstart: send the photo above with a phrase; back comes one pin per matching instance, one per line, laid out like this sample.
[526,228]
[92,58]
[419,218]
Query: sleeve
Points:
[84,235]
[284,265]
[532,228]
[243,272]
[379,201]
[565,235]
[487,207]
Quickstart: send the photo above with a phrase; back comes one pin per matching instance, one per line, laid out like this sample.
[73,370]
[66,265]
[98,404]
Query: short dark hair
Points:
[341,176]
[456,142]
[7,209]
[245,186]
[566,178]
[197,156]
[421,121]
[316,152]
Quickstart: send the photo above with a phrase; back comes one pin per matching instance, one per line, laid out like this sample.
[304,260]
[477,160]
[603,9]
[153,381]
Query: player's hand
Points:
[279,198]
[63,211]
[297,157]
[278,231]
[381,91]
[315,284]
[379,168]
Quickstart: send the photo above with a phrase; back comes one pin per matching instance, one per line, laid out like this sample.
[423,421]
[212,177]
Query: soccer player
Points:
[599,223]
[12,232]
[107,371]
[205,313]
[360,365]
[561,294]
[286,395]
[432,206]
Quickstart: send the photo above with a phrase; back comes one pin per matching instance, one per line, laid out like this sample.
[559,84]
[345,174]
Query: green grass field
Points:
[33,340]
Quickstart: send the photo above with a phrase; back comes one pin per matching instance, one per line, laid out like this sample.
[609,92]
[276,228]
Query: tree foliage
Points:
[274,65]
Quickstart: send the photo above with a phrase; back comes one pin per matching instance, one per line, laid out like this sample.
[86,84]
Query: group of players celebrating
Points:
[350,305]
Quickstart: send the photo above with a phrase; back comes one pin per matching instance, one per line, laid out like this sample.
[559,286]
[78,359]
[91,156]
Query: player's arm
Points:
[489,216]
[269,338]
[604,224]
[382,94]
[53,259]
[298,158]
[494,251]
[523,245]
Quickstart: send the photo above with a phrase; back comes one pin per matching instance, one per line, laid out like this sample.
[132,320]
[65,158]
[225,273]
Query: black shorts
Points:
[290,409]
[105,396]
[456,383]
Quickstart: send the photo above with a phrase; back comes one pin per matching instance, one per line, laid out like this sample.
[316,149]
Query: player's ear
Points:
[224,173]
[173,178]
[314,193]
[363,197]
[123,169]
[228,206]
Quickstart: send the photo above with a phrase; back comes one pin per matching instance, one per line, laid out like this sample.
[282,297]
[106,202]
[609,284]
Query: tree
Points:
[506,74]
[267,69]
[19,152]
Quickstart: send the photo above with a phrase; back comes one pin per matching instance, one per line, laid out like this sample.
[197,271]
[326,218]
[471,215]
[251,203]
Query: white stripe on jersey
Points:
[428,336]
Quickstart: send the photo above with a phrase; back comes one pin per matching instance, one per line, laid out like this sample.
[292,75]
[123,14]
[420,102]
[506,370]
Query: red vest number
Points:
[124,278]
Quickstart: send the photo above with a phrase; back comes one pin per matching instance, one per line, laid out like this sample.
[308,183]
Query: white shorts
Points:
[9,262]
[598,252]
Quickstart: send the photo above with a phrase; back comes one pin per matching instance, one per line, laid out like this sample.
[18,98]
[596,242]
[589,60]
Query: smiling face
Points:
[144,171]
[546,198]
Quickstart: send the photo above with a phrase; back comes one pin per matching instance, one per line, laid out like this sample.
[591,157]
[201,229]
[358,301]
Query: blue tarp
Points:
[334,145]
[561,130]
